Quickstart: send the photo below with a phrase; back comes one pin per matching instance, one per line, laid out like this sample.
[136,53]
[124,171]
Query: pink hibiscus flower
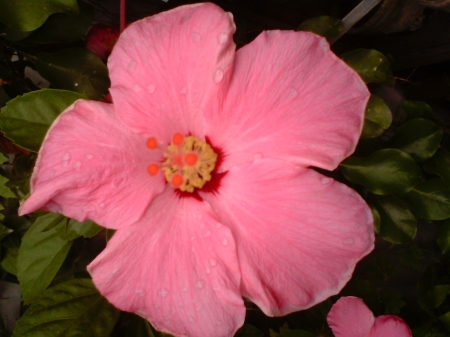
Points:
[350,317]
[201,165]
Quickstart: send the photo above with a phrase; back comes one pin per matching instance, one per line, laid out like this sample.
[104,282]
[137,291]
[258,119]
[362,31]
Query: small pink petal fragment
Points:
[91,167]
[101,40]
[350,317]
[188,282]
[290,226]
[390,326]
[290,98]
[167,65]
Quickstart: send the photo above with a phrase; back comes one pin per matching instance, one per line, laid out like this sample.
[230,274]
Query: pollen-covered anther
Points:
[189,163]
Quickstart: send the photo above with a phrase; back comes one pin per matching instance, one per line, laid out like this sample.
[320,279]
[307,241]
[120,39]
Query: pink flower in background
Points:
[101,40]
[202,167]
[350,317]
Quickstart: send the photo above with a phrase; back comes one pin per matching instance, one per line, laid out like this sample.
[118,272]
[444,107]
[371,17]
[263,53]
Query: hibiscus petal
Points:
[390,326]
[350,317]
[299,234]
[290,97]
[171,67]
[91,166]
[177,267]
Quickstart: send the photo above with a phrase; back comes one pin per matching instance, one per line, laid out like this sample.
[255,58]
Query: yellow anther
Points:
[198,161]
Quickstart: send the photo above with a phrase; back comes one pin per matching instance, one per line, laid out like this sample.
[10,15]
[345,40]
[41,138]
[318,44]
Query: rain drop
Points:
[102,205]
[191,319]
[142,314]
[183,91]
[325,180]
[212,262]
[157,308]
[77,164]
[163,292]
[348,241]
[219,225]
[89,156]
[151,88]
[199,284]
[222,38]
[218,323]
[258,156]
[208,271]
[208,233]
[131,66]
[51,174]
[140,292]
[137,88]
[293,93]
[218,75]
[66,156]
[196,37]
[225,242]
[184,289]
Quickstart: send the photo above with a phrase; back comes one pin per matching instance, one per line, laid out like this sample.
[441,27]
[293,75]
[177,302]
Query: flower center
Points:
[188,162]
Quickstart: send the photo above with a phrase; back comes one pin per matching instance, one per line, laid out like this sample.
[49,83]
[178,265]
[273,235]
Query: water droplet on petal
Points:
[345,312]
[89,156]
[102,205]
[222,38]
[348,241]
[157,308]
[218,323]
[77,164]
[140,292]
[143,314]
[196,37]
[65,159]
[325,180]
[218,75]
[137,88]
[212,262]
[208,271]
[191,319]
[163,292]
[208,233]
[219,225]
[258,156]
[183,91]
[293,93]
[51,174]
[200,284]
[131,66]
[151,88]
[225,242]
[209,248]
[184,289]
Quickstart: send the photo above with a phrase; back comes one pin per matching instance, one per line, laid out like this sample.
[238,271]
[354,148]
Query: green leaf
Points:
[370,64]
[12,244]
[417,109]
[139,327]
[383,172]
[419,137]
[248,330]
[439,164]
[430,200]
[72,308]
[4,231]
[398,223]
[4,190]
[443,240]
[26,119]
[326,26]
[445,320]
[376,218]
[75,69]
[63,28]
[41,254]
[26,15]
[377,119]
[74,229]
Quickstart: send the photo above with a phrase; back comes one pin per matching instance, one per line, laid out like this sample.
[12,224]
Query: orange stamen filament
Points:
[153,169]
[177,180]
[178,139]
[191,159]
[152,143]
